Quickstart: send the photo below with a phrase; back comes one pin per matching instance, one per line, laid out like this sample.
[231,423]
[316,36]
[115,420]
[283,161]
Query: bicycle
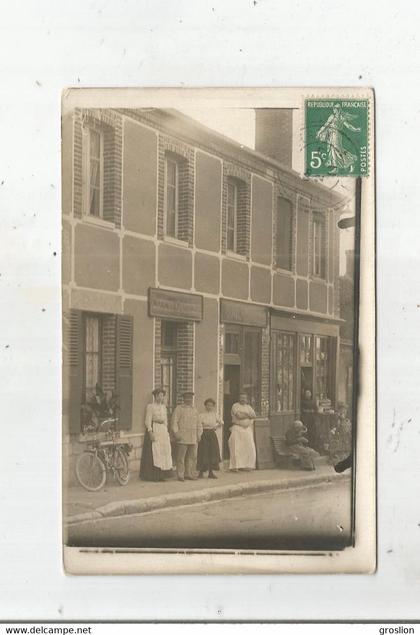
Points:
[101,457]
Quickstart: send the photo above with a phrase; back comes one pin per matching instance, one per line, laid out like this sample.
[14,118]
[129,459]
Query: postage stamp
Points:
[336,137]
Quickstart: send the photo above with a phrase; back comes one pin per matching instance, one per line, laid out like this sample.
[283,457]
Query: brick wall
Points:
[184,156]
[221,365]
[158,351]
[265,371]
[185,358]
[242,179]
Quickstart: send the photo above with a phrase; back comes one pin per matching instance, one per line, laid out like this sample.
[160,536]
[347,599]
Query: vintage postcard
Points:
[218,330]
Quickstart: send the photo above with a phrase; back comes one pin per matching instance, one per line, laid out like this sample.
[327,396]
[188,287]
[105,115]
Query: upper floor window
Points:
[319,246]
[284,235]
[100,177]
[172,196]
[95,174]
[232,216]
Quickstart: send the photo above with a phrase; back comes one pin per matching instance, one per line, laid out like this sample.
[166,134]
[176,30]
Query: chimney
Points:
[274,133]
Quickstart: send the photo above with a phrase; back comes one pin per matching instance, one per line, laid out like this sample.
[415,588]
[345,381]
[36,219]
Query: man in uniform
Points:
[187,430]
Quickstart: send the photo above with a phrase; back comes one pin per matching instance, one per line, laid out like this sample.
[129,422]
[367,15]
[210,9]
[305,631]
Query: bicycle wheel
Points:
[121,471]
[90,471]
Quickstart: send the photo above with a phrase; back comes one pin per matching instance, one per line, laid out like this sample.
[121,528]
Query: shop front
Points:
[303,375]
[245,334]
[175,314]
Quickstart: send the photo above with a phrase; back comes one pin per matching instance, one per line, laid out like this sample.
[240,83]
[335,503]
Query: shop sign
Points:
[175,305]
[241,313]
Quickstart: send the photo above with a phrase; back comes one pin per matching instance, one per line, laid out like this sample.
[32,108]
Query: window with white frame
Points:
[95,173]
[171,197]
[232,215]
[319,246]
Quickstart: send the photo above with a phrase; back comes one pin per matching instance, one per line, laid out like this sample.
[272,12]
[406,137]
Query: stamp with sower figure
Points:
[336,137]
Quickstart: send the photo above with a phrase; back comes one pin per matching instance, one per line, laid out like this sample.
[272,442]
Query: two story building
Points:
[192,262]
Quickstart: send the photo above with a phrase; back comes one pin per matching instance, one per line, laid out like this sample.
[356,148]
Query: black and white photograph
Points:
[211,298]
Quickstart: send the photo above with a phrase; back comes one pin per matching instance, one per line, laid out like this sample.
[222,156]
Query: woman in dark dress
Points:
[156,457]
[308,412]
[208,457]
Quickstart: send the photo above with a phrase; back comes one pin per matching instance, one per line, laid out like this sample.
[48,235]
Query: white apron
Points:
[242,448]
[161,447]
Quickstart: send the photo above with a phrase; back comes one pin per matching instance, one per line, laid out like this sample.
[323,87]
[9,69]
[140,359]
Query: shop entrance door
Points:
[230,396]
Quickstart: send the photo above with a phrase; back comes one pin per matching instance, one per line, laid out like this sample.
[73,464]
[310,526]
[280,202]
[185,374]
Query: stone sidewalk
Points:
[139,497]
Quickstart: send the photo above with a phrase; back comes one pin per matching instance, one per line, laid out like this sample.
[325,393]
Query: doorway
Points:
[231,387]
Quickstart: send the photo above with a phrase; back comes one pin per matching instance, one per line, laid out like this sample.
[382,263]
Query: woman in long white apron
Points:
[156,456]
[241,440]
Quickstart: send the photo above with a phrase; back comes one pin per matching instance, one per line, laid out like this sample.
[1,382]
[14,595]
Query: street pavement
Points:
[140,496]
[316,516]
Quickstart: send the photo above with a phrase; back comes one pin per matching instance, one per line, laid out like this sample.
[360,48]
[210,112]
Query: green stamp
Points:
[336,141]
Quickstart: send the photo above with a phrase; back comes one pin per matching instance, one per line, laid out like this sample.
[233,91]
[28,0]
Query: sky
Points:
[239,124]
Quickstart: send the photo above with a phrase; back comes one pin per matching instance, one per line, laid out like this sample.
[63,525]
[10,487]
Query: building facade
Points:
[192,262]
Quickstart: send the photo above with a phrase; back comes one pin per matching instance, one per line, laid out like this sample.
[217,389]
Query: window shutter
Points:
[124,363]
[109,168]
[75,361]
[85,170]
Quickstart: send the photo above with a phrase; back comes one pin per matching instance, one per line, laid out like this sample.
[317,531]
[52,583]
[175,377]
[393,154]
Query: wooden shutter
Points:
[109,168]
[124,364]
[85,171]
[75,362]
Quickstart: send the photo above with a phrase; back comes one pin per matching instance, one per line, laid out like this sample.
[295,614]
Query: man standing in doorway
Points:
[187,430]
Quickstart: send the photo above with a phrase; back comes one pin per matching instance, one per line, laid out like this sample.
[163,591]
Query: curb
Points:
[153,503]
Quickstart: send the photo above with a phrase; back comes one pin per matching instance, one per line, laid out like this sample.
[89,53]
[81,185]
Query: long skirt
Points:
[148,470]
[208,457]
[306,455]
[242,448]
[309,420]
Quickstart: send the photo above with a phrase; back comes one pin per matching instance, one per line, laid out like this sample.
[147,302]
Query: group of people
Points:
[196,446]
[194,433]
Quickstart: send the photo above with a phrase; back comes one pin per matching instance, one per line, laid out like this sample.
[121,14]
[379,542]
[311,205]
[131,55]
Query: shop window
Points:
[232,343]
[306,350]
[284,234]
[322,367]
[284,371]
[168,362]
[316,365]
[99,350]
[319,246]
